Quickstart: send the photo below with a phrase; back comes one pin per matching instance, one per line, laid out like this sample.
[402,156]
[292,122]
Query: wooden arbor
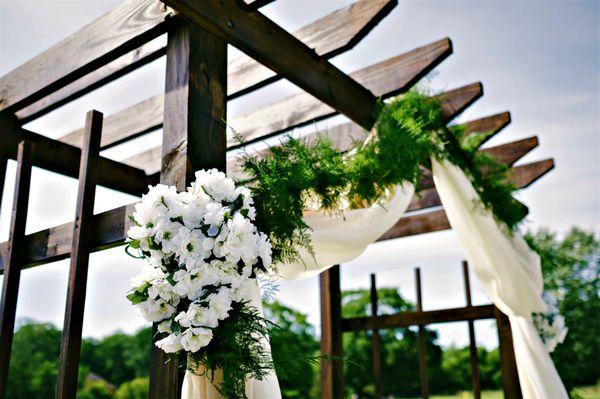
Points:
[199,82]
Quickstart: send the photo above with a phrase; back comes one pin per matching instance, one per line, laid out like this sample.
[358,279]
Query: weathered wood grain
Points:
[14,257]
[385,79]
[123,29]
[63,158]
[70,347]
[407,319]
[332,368]
[269,44]
[508,364]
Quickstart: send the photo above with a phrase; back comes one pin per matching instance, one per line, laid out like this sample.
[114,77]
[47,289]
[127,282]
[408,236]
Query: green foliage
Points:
[571,269]
[410,130]
[95,389]
[134,389]
[456,364]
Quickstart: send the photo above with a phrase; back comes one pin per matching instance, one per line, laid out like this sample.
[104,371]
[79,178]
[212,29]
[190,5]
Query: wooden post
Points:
[332,371]
[422,340]
[194,138]
[70,346]
[12,269]
[3,163]
[475,382]
[510,377]
[376,340]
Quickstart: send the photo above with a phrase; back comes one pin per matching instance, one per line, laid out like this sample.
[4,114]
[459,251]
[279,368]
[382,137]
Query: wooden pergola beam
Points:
[110,228]
[384,79]
[62,158]
[121,30]
[272,46]
[329,36]
[436,220]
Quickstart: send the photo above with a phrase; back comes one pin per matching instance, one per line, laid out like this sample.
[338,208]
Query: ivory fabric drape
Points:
[510,273]
[336,239]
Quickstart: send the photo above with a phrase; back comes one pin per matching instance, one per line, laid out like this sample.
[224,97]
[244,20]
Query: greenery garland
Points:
[410,130]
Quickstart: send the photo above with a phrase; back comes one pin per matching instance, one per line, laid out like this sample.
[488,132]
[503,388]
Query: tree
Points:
[134,389]
[294,348]
[95,389]
[571,269]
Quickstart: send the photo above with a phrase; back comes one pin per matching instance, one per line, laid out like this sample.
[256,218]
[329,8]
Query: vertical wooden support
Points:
[194,138]
[70,347]
[3,163]
[422,340]
[332,371]
[376,344]
[475,382]
[510,377]
[12,269]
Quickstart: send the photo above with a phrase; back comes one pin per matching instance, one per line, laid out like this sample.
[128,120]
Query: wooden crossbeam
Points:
[63,158]
[384,79]
[436,220]
[14,256]
[113,70]
[269,44]
[407,319]
[123,29]
[110,229]
[70,346]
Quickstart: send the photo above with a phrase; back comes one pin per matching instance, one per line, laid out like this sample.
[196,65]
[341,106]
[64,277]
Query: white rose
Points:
[156,310]
[170,344]
[221,303]
[194,339]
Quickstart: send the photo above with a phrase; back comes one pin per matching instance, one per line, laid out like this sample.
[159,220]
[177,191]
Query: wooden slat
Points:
[508,365]
[384,79]
[407,319]
[423,378]
[194,138]
[123,29]
[101,76]
[508,153]
[432,221]
[475,383]
[332,367]
[62,158]
[110,227]
[329,36]
[13,257]
[376,340]
[70,347]
[269,44]
[491,124]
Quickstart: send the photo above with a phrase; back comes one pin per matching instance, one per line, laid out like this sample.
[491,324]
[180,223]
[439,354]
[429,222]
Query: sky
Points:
[538,59]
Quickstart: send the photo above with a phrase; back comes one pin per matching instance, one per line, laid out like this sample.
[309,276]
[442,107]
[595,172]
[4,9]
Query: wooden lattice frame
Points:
[198,79]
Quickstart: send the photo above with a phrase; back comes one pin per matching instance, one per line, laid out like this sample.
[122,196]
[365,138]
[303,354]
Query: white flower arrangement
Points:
[550,324]
[204,254]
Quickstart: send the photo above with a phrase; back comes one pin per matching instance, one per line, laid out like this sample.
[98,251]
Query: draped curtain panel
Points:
[510,273]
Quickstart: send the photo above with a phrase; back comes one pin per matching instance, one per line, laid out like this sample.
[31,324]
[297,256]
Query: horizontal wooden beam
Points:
[384,79]
[407,319]
[436,220]
[62,158]
[272,46]
[118,32]
[110,229]
[329,36]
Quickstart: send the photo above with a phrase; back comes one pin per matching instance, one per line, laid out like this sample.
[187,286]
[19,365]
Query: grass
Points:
[592,392]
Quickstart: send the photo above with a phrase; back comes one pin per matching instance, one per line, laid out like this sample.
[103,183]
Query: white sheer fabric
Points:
[336,239]
[510,273]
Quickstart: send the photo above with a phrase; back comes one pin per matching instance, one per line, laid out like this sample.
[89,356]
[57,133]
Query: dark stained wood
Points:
[510,153]
[423,379]
[70,346]
[475,383]
[376,340]
[385,79]
[407,319]
[101,76]
[123,29]
[269,44]
[12,275]
[525,175]
[508,365]
[62,158]
[332,367]
[110,227]
[3,163]
[491,125]
[194,138]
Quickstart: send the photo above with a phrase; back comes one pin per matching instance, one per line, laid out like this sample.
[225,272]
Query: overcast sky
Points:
[540,60]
